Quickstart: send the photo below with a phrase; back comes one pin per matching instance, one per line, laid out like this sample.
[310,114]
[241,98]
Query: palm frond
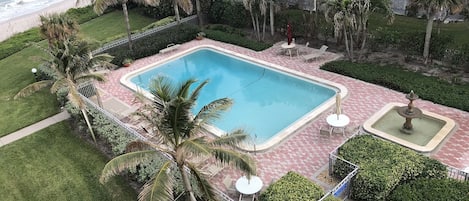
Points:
[239,160]
[194,146]
[124,162]
[196,92]
[101,5]
[162,88]
[186,5]
[213,111]
[231,139]
[160,187]
[183,90]
[34,87]
[148,2]
[203,184]
[91,76]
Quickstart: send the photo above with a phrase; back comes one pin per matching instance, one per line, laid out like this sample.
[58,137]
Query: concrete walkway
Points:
[33,128]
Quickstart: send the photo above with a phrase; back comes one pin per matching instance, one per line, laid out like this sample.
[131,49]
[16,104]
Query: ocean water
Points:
[10,9]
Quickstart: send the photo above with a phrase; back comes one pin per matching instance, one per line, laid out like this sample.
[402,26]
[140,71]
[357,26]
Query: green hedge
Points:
[236,39]
[383,165]
[431,190]
[395,77]
[229,12]
[293,187]
[152,44]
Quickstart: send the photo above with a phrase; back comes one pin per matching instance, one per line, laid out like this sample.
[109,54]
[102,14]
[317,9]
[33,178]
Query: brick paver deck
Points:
[307,151]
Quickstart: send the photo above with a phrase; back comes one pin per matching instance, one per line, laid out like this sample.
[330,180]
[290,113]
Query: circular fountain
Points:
[409,112]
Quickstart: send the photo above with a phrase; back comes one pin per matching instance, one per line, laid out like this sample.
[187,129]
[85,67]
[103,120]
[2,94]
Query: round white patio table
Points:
[337,121]
[249,187]
[288,47]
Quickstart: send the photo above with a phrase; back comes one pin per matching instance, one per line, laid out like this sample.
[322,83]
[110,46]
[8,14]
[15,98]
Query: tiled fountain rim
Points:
[447,129]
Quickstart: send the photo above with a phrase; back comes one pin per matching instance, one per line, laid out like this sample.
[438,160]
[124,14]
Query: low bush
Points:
[413,43]
[293,187]
[394,77]
[383,166]
[84,14]
[164,9]
[18,42]
[228,12]
[152,44]
[431,190]
[236,39]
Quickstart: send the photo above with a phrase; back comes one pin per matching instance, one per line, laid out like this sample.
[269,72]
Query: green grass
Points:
[403,23]
[16,74]
[54,164]
[109,26]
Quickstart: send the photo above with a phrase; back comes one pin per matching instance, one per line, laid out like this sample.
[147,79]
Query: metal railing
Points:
[135,36]
[457,174]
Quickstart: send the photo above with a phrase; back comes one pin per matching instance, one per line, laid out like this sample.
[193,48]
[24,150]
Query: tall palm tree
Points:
[101,5]
[186,6]
[57,27]
[70,62]
[178,134]
[431,8]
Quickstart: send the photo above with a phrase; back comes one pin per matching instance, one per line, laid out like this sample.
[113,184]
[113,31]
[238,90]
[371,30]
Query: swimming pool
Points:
[267,101]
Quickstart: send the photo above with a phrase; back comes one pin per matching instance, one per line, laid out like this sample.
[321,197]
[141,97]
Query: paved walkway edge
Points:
[26,131]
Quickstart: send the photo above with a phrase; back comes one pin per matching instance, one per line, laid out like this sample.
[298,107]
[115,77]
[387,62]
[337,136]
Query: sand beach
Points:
[22,23]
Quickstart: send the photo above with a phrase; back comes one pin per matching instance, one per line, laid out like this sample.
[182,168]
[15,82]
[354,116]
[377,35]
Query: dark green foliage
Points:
[18,42]
[292,187]
[384,37]
[84,14]
[163,10]
[431,190]
[298,19]
[236,39]
[383,166]
[231,13]
[459,56]
[428,88]
[413,42]
[152,44]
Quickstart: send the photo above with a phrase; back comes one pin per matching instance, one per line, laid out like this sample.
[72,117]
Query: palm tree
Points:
[57,27]
[101,5]
[178,134]
[256,8]
[431,8]
[186,6]
[70,62]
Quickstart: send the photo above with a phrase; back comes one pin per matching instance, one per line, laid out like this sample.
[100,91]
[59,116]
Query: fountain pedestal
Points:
[409,112]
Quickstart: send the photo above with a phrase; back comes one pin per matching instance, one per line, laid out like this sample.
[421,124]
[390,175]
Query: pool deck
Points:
[306,151]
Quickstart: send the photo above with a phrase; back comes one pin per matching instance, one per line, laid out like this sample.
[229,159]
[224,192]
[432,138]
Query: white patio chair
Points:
[316,54]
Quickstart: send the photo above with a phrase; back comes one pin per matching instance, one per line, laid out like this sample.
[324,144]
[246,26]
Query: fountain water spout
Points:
[409,112]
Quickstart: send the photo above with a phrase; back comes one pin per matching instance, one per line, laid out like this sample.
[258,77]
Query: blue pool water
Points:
[265,101]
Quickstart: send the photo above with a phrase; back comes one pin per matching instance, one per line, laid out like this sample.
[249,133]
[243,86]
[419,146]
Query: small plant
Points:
[200,35]
[127,61]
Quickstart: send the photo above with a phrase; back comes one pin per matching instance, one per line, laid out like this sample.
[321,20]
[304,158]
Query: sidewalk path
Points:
[33,128]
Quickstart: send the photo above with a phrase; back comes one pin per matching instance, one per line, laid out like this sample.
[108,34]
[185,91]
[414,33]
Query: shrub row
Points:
[383,166]
[236,39]
[429,88]
[152,44]
[229,12]
[293,187]
[431,190]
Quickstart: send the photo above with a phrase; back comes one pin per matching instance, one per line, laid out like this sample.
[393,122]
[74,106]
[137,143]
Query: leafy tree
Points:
[432,7]
[186,6]
[179,135]
[57,27]
[101,5]
[256,8]
[70,62]
[350,18]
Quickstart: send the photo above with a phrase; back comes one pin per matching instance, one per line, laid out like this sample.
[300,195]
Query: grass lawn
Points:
[16,74]
[54,164]
[459,30]
[107,27]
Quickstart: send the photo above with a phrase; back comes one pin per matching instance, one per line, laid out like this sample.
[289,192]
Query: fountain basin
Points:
[429,130]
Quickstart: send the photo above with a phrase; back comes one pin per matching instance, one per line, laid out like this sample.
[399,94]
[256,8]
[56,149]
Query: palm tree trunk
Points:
[271,9]
[199,12]
[428,36]
[98,97]
[263,27]
[176,11]
[258,31]
[346,42]
[87,120]
[186,182]
[126,16]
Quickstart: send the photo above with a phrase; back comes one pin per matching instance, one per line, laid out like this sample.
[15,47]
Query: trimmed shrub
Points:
[394,77]
[293,187]
[431,190]
[236,39]
[383,166]
[164,9]
[152,44]
[231,13]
